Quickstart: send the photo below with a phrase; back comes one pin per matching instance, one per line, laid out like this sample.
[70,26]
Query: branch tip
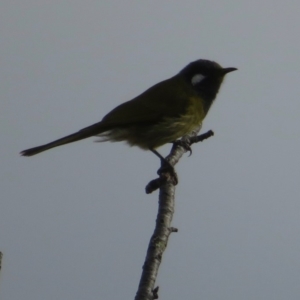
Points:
[173,229]
[155,293]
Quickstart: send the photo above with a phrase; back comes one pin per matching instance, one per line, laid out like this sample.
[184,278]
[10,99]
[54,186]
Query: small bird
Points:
[163,113]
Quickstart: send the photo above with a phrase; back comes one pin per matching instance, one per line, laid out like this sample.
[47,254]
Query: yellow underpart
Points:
[165,131]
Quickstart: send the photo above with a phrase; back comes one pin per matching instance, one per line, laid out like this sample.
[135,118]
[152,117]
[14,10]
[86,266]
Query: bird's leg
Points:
[165,166]
[164,162]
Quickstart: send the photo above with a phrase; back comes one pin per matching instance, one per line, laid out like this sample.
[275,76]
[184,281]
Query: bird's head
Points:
[205,77]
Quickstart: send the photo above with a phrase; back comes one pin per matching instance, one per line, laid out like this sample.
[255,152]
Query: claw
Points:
[189,149]
[185,144]
[168,169]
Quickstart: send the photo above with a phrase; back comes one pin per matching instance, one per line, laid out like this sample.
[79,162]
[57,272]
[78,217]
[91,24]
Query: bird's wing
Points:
[165,99]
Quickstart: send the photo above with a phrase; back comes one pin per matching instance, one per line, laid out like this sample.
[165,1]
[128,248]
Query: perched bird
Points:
[163,113]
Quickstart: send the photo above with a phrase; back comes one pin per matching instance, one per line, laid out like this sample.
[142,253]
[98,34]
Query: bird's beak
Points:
[228,70]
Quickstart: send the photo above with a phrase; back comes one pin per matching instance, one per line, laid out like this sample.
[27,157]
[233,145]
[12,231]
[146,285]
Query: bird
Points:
[162,114]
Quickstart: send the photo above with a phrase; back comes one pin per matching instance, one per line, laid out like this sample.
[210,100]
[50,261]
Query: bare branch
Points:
[163,228]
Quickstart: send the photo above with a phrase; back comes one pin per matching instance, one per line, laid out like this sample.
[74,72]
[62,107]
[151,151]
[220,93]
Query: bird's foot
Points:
[168,171]
[185,143]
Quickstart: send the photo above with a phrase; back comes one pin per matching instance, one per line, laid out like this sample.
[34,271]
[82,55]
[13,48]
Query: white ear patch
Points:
[197,78]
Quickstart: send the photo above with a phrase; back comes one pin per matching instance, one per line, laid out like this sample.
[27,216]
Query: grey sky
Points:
[75,221]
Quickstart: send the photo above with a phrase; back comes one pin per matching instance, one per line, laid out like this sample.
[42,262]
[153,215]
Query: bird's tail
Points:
[77,136]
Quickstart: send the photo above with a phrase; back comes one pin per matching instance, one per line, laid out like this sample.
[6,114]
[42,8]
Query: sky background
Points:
[75,221]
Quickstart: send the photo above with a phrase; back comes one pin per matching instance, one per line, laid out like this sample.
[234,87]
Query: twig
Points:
[163,229]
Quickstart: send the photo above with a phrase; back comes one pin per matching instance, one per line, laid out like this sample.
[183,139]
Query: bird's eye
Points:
[197,79]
